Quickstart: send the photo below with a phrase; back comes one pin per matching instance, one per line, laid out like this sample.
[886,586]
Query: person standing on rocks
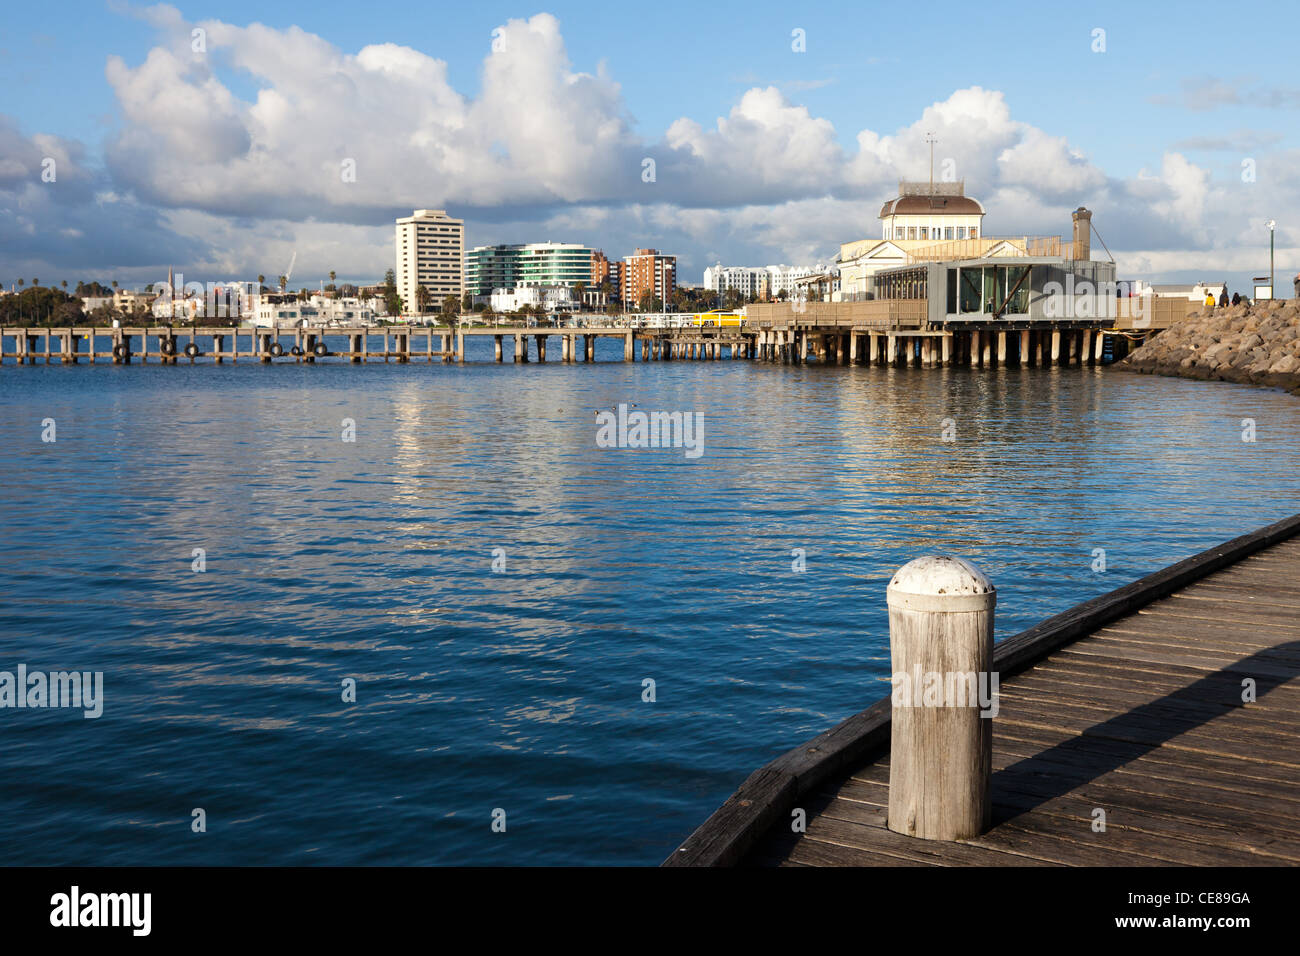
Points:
[1209,299]
[1223,298]
[1297,285]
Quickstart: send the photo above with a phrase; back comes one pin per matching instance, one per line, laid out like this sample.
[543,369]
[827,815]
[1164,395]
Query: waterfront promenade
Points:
[1156,725]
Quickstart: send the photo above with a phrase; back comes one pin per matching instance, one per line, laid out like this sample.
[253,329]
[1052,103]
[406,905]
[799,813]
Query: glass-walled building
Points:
[488,268]
[1005,288]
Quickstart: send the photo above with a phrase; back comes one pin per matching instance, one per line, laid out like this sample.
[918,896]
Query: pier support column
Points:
[1002,349]
[354,346]
[945,344]
[1085,350]
[1025,357]
[629,347]
[1056,346]
[460,347]
[589,346]
[927,353]
[541,348]
[497,340]
[264,349]
[853,348]
[1098,348]
[940,757]
[891,349]
[521,349]
[986,349]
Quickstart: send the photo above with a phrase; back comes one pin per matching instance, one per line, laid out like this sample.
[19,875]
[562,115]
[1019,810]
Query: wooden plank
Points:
[1060,830]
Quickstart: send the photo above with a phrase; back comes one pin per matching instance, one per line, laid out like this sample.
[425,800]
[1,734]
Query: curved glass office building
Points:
[488,268]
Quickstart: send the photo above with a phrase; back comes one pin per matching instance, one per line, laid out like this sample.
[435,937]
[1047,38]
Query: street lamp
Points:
[1272,289]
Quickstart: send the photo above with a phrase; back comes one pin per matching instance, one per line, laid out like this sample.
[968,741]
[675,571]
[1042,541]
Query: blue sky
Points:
[785,178]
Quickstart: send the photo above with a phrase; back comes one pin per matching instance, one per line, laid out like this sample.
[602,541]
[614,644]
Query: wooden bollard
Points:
[941,739]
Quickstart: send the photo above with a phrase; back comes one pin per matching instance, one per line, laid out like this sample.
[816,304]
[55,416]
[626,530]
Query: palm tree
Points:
[421,299]
[331,277]
[64,283]
[261,281]
[284,281]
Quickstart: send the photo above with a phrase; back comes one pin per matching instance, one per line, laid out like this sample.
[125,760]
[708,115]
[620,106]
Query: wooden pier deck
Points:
[1130,705]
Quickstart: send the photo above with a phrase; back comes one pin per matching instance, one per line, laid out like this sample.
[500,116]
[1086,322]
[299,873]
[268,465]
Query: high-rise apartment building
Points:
[489,268]
[602,270]
[648,270]
[430,253]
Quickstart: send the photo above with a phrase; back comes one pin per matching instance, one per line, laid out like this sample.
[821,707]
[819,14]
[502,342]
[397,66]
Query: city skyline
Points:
[230,159]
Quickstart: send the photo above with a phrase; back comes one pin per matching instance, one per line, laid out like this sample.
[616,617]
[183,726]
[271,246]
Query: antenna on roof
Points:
[929,138]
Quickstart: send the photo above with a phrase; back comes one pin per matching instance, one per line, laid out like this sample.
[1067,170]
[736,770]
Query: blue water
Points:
[522,690]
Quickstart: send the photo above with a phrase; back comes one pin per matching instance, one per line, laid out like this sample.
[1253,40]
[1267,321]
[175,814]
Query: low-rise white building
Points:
[287,310]
[552,298]
[1193,293]
[762,281]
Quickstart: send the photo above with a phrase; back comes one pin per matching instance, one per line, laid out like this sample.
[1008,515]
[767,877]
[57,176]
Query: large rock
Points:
[1257,344]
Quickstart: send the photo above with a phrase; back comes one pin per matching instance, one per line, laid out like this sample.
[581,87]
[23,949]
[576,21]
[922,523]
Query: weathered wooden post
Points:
[941,739]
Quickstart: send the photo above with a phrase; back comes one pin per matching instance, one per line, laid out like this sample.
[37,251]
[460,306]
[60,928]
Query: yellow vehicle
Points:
[717,317]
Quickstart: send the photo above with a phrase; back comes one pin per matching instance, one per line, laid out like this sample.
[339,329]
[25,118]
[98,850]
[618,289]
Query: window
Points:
[947,232]
[925,232]
[974,232]
[961,232]
[911,232]
[971,286]
[899,233]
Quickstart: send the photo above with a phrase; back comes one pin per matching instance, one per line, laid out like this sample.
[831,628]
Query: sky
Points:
[226,139]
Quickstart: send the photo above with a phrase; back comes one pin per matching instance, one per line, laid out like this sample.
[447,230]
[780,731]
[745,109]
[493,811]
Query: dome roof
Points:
[931,206]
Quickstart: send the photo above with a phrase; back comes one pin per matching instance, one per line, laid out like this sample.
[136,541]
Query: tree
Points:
[422,297]
[331,277]
[284,281]
[451,306]
[114,286]
[261,281]
[393,304]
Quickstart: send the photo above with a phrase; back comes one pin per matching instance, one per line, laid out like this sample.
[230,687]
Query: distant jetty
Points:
[1257,344]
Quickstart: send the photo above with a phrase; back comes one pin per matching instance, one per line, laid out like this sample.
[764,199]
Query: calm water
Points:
[522,690]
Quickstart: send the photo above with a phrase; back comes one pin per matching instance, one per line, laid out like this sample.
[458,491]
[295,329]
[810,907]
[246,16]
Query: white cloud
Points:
[243,147]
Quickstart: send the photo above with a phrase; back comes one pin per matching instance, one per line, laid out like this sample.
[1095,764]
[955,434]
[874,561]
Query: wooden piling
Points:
[941,752]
